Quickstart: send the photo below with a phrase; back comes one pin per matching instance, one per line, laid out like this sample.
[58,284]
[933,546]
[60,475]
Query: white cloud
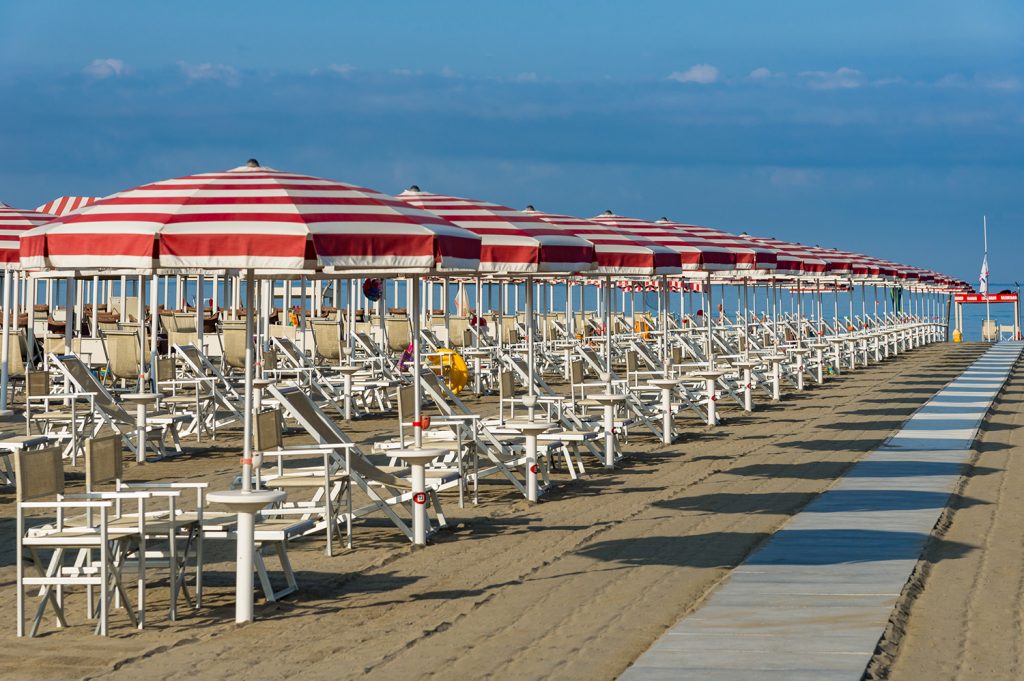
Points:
[406,72]
[222,72]
[341,69]
[526,77]
[762,73]
[1006,83]
[794,177]
[703,74]
[951,80]
[449,72]
[105,68]
[843,78]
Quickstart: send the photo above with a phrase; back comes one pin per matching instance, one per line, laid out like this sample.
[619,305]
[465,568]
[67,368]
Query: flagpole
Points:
[984,231]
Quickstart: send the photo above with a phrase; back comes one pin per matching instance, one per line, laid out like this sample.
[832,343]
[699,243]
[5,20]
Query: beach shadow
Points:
[822,470]
[786,547]
[833,501]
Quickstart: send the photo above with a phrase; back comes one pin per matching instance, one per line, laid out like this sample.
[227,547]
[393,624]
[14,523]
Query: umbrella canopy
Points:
[694,253]
[617,252]
[62,205]
[254,217]
[13,224]
[748,254]
[511,241]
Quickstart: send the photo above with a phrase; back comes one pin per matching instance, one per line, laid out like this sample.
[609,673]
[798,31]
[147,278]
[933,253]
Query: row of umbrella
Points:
[254,217]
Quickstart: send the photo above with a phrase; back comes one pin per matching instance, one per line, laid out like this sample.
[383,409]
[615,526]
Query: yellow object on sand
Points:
[957,336]
[451,367]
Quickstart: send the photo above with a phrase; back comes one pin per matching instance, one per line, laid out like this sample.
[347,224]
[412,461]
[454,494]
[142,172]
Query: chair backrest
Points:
[15,361]
[166,369]
[406,403]
[268,432]
[632,362]
[399,333]
[123,353]
[506,386]
[327,339]
[54,344]
[104,460]
[269,360]
[37,383]
[234,345]
[185,322]
[576,371]
[38,474]
[458,332]
[677,354]
[281,331]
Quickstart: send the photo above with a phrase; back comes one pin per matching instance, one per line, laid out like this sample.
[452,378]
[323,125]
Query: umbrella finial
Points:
[608,212]
[252,163]
[531,208]
[413,188]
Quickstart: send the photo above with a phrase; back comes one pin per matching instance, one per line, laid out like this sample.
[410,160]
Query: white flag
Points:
[983,277]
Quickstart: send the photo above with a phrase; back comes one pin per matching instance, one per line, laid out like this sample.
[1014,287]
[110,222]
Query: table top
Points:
[418,455]
[141,397]
[528,426]
[241,500]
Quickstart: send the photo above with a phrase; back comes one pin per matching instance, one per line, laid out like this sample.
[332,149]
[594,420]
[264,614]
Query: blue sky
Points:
[888,130]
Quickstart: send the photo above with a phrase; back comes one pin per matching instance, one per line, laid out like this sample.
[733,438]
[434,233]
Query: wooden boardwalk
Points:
[813,602]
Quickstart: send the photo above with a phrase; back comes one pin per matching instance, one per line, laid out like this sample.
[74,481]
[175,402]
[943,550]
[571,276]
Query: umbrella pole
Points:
[154,328]
[140,384]
[247,420]
[531,333]
[417,423]
[4,368]
[608,331]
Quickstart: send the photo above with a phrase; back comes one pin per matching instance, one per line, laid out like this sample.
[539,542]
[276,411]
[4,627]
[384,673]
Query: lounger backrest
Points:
[294,354]
[321,427]
[104,460]
[85,381]
[677,355]
[38,474]
[268,433]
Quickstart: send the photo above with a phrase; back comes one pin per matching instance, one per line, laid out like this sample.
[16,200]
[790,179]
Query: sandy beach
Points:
[574,587]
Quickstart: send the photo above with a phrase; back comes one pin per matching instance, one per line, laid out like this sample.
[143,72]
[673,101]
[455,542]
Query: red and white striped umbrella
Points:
[62,205]
[254,217]
[792,259]
[512,241]
[618,253]
[13,224]
[694,253]
[749,255]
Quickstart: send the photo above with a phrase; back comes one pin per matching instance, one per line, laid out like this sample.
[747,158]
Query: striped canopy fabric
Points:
[254,217]
[695,254]
[618,253]
[62,205]
[749,255]
[13,224]
[511,241]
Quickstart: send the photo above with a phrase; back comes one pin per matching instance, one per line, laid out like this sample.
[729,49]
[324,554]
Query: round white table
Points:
[418,458]
[710,377]
[747,366]
[245,504]
[142,401]
[608,401]
[530,429]
[348,371]
[666,385]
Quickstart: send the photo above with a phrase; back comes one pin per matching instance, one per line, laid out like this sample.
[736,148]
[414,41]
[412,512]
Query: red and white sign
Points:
[980,298]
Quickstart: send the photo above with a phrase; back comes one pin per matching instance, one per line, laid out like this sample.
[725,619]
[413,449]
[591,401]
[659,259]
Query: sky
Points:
[879,127]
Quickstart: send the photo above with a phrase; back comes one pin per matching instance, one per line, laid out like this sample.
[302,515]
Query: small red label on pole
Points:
[420,497]
[533,468]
